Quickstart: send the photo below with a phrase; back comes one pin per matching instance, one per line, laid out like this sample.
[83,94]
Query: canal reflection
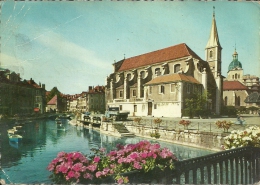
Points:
[26,162]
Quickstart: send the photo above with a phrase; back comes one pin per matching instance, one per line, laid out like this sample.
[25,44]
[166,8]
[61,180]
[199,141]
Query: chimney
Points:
[43,86]
[89,88]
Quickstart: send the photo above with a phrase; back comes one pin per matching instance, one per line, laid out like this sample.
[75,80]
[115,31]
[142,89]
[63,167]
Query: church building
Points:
[237,86]
[157,83]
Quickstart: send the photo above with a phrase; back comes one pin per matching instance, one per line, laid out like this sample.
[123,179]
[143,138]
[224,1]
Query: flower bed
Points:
[241,138]
[141,158]
[185,123]
[224,124]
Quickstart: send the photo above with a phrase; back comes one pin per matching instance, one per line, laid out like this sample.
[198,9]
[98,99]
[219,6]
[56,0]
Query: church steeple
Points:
[213,48]
[213,38]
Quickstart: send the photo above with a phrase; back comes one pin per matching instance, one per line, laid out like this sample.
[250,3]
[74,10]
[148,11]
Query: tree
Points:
[52,93]
[197,104]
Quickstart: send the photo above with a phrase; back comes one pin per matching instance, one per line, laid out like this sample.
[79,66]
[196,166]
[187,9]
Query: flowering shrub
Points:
[157,120]
[138,120]
[143,157]
[185,123]
[224,124]
[240,138]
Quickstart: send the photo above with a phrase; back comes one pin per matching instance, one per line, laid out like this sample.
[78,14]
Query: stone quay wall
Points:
[194,138]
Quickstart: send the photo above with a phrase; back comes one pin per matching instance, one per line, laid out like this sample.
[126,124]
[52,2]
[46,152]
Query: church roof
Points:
[175,77]
[233,85]
[253,98]
[158,56]
[213,38]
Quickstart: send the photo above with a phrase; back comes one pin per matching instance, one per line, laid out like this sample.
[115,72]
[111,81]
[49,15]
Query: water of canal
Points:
[26,162]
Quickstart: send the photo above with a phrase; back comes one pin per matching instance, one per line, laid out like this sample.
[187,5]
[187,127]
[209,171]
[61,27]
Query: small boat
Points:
[58,121]
[18,127]
[15,137]
[11,131]
[65,116]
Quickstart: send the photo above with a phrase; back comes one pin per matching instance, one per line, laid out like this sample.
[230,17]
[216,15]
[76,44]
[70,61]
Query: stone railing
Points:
[237,166]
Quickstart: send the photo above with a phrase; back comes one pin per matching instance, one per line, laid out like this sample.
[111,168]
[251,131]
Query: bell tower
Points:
[213,49]
[213,57]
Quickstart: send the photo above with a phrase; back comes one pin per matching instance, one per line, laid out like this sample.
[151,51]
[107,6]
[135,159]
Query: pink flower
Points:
[144,155]
[76,155]
[120,181]
[92,167]
[112,153]
[71,174]
[77,167]
[61,154]
[103,150]
[133,155]
[88,176]
[98,174]
[96,159]
[137,166]
[77,175]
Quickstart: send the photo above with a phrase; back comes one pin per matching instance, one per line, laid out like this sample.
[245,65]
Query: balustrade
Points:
[237,166]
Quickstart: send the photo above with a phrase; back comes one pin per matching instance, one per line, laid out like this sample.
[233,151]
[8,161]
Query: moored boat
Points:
[58,121]
[15,137]
[11,131]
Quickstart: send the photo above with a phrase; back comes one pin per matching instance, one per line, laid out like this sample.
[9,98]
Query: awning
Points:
[36,109]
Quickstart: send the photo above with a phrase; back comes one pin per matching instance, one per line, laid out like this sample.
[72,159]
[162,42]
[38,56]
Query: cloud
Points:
[13,63]
[59,45]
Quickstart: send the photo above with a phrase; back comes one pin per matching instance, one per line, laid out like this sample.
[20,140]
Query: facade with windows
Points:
[92,100]
[157,83]
[20,96]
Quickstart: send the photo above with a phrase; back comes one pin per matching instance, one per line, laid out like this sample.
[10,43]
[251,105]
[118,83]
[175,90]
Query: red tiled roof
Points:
[172,78]
[53,101]
[233,85]
[162,55]
[97,89]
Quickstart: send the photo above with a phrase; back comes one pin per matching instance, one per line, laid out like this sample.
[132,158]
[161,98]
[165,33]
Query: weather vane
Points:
[214,11]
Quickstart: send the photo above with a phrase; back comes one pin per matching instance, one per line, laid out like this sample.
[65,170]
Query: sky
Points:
[72,45]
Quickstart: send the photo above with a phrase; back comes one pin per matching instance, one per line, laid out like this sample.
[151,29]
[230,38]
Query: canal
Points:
[26,161]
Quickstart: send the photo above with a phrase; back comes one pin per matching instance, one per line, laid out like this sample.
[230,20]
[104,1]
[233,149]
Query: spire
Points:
[213,38]
[235,55]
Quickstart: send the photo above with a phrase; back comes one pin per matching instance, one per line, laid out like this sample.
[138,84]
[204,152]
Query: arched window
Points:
[225,101]
[211,54]
[237,101]
[235,76]
[177,68]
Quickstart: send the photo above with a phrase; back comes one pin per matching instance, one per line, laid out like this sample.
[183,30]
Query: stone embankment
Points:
[194,138]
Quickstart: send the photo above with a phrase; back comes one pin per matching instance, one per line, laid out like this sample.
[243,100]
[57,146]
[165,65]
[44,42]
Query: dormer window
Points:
[157,72]
[142,74]
[177,68]
[128,77]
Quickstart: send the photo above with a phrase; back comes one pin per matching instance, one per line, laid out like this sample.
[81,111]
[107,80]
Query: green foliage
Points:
[242,110]
[229,111]
[196,105]
[155,134]
[52,93]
